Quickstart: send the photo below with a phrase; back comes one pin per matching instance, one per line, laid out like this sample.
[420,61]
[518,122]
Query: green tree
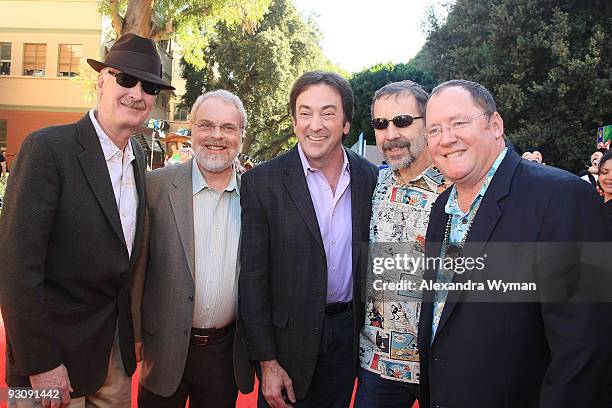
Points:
[260,67]
[191,23]
[368,81]
[548,64]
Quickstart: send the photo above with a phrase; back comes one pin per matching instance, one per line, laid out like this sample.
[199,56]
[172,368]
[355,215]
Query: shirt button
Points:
[208,306]
[191,298]
[317,331]
[464,221]
[333,268]
[334,242]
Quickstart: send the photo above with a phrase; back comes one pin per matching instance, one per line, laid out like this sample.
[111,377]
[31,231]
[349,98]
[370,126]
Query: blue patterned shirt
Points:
[460,224]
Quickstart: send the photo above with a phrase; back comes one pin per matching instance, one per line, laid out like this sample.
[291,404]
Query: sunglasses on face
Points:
[129,81]
[401,121]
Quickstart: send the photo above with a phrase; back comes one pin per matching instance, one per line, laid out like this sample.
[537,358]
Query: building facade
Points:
[43,46]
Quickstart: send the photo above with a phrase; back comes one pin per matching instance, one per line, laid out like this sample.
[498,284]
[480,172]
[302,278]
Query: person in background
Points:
[536,156]
[591,174]
[2,167]
[605,182]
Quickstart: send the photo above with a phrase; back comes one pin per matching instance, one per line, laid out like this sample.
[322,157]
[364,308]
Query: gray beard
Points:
[214,165]
[414,150]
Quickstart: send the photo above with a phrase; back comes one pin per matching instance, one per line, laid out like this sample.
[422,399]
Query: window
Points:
[180,113]
[69,59]
[5,58]
[34,56]
[163,100]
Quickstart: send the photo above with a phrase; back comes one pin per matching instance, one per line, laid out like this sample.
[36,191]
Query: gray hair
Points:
[224,96]
[481,95]
[402,88]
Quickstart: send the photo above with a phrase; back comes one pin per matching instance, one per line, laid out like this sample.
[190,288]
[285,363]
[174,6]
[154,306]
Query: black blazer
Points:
[515,355]
[283,277]
[65,267]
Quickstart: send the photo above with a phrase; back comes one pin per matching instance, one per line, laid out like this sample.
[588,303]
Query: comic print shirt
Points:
[400,212]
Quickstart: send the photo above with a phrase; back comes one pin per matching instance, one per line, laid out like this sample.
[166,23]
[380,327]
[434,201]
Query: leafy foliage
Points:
[548,64]
[260,67]
[191,23]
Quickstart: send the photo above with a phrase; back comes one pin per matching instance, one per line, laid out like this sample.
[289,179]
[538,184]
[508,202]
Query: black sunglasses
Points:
[400,121]
[129,81]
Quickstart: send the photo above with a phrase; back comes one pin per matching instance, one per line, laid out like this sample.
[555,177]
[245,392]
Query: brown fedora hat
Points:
[136,56]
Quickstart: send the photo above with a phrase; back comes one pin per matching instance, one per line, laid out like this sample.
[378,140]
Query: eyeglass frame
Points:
[146,85]
[464,124]
[238,129]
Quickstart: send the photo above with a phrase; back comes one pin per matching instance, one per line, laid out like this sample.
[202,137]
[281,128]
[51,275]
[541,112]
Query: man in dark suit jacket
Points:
[70,230]
[192,345]
[304,217]
[504,354]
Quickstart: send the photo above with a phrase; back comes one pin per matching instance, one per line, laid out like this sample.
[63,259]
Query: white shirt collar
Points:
[109,149]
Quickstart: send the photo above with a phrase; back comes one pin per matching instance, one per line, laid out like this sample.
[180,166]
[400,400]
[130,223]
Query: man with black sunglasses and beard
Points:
[405,191]
[72,227]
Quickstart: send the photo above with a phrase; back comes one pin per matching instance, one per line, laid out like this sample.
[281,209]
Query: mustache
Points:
[396,144]
[133,104]
[214,143]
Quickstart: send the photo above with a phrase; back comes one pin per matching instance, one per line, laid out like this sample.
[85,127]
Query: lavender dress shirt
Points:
[335,223]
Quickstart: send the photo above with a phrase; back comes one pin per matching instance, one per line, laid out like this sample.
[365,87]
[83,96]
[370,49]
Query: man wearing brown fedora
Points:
[71,229]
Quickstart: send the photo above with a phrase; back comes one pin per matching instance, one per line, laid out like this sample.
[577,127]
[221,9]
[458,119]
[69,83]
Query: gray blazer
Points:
[164,289]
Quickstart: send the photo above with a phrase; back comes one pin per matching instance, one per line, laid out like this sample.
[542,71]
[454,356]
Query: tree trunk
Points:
[247,142]
[138,18]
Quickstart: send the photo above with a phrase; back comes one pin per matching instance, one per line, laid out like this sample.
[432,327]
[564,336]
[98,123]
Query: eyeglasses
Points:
[129,81]
[401,121]
[433,132]
[226,129]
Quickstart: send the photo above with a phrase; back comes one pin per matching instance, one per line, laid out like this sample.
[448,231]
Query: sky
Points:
[360,33]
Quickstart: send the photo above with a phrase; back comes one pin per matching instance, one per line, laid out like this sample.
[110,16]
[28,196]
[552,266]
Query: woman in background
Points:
[605,182]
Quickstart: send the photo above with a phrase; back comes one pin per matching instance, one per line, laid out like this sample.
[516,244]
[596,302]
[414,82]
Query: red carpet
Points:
[244,401]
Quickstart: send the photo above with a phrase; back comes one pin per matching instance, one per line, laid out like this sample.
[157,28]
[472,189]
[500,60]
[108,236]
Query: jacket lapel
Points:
[296,185]
[483,225]
[181,200]
[96,171]
[359,197]
[139,167]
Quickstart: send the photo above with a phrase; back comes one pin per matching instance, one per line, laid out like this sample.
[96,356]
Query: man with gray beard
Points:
[185,293]
[405,191]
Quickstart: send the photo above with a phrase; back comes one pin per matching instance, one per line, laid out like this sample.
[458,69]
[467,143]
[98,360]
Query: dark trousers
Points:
[373,391]
[333,381]
[208,379]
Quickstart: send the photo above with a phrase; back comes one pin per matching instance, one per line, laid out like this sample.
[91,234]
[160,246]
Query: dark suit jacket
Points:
[65,266]
[514,355]
[283,281]
[164,282]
